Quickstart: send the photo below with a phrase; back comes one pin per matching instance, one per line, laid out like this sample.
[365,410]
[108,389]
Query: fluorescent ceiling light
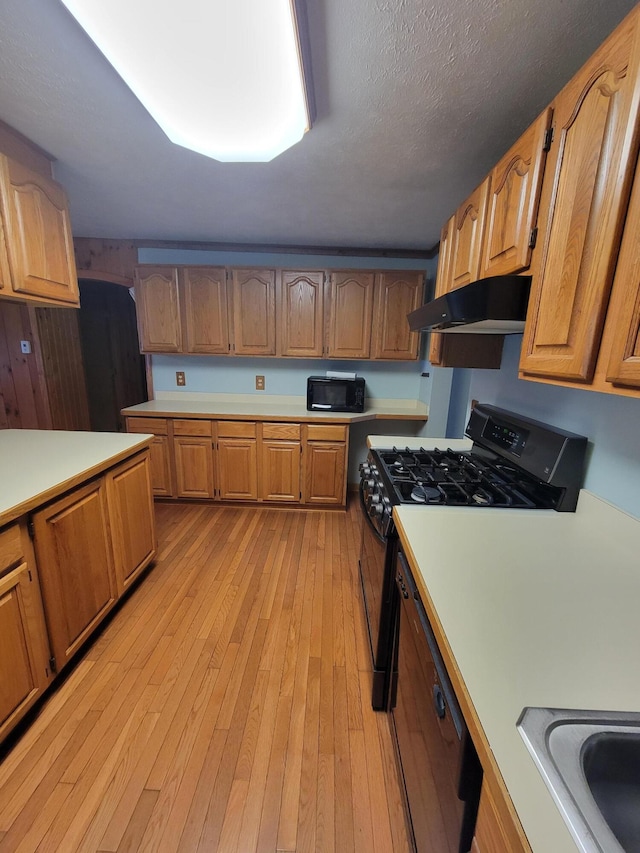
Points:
[222,77]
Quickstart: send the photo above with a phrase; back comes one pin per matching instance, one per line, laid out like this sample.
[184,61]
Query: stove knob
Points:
[369,484]
[365,469]
[375,499]
[377,508]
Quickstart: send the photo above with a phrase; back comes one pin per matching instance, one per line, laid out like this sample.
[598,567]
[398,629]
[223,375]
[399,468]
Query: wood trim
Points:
[288,249]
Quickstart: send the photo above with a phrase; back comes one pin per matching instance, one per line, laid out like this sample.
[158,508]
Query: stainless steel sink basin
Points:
[590,761]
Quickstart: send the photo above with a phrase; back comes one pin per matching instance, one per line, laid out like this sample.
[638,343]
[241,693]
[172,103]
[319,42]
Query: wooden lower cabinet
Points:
[161,453]
[237,460]
[78,578]
[131,518]
[24,651]
[194,466]
[281,471]
[280,462]
[489,836]
[325,462]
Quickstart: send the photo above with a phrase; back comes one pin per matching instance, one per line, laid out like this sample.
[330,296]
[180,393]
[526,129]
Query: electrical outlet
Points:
[180,378]
[259,383]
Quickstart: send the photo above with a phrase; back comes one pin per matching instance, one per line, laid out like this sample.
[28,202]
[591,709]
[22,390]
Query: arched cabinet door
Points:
[38,235]
[350,314]
[514,197]
[302,313]
[397,294]
[253,312]
[586,189]
[158,309]
[466,238]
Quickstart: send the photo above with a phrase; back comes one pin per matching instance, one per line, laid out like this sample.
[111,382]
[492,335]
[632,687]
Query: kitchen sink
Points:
[590,761]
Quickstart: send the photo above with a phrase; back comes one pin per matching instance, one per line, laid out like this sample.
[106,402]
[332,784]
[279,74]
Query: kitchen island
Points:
[530,608]
[76,529]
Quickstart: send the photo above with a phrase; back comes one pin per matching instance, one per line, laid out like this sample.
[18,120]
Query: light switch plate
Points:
[25,347]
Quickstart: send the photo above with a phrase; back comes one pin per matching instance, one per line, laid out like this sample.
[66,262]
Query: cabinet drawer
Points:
[193,427]
[10,547]
[284,431]
[155,426]
[326,432]
[236,429]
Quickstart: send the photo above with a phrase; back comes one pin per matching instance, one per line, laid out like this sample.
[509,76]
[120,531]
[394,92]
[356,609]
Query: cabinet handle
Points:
[438,701]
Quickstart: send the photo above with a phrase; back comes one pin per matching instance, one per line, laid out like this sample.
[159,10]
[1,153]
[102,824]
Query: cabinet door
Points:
[324,473]
[515,183]
[161,468]
[396,295]
[623,317]
[483,351]
[158,309]
[131,517]
[489,836]
[466,238]
[254,312]
[280,471]
[586,189]
[23,653]
[302,313]
[205,309]
[443,285]
[39,240]
[78,579]
[238,469]
[350,314]
[194,466]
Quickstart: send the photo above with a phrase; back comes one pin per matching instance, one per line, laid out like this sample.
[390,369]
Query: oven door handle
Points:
[374,529]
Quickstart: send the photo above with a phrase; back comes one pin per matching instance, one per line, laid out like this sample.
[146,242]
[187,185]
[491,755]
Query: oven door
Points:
[377,557]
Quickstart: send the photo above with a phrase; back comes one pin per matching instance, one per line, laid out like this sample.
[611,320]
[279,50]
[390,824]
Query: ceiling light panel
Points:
[221,77]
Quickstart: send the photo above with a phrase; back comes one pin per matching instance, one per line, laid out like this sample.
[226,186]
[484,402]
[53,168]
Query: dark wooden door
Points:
[114,368]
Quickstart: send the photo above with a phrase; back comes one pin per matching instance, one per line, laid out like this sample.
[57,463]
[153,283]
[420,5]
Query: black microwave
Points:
[335,395]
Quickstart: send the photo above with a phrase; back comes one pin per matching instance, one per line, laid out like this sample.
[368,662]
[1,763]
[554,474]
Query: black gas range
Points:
[514,463]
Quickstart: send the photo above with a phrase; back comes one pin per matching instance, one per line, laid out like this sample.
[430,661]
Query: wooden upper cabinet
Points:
[158,309]
[514,196]
[38,235]
[301,313]
[467,237]
[253,310]
[623,317]
[350,314]
[585,194]
[397,294]
[206,325]
[436,342]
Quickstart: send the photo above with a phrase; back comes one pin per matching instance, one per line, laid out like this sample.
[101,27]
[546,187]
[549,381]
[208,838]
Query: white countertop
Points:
[539,608]
[385,442]
[35,462]
[270,406]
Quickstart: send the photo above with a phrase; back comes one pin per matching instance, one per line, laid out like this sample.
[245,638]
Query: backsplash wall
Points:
[609,421]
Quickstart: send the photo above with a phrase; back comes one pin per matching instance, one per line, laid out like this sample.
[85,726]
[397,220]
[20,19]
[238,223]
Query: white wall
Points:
[610,422]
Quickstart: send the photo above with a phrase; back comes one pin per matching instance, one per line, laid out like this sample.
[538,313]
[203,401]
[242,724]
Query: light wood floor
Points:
[224,708]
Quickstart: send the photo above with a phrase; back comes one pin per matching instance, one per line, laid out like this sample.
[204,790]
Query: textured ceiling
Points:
[415,102]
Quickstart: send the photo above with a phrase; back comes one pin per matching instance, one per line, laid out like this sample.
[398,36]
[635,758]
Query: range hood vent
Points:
[490,306]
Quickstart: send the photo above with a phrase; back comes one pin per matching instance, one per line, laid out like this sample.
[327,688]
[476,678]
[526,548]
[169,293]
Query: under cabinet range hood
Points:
[490,306]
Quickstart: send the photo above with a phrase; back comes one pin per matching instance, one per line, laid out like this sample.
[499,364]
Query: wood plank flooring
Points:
[225,707]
